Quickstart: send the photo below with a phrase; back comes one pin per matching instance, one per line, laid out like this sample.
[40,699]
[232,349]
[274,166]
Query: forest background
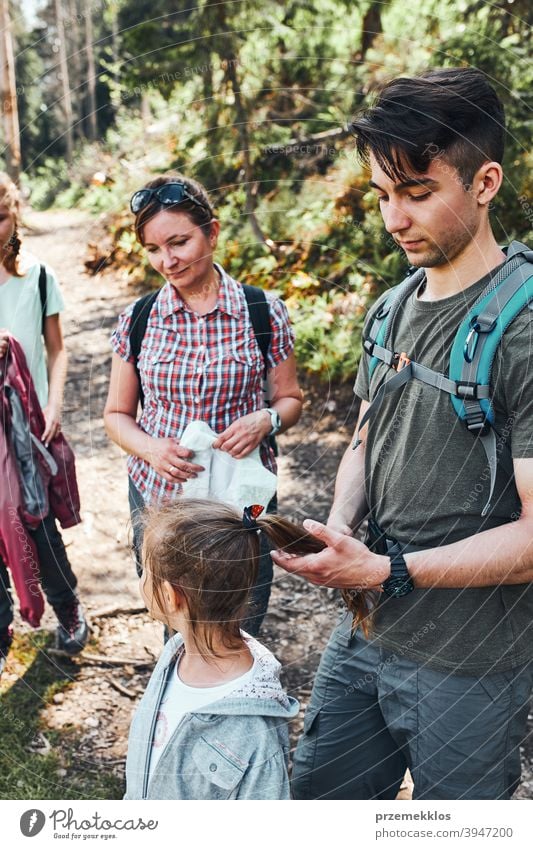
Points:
[253,99]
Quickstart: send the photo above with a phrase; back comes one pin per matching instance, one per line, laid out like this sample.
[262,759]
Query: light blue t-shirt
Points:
[20,313]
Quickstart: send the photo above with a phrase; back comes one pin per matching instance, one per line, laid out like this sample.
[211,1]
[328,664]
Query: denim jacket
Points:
[234,748]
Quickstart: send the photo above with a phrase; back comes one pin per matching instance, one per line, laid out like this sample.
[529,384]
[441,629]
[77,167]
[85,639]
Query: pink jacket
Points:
[33,481]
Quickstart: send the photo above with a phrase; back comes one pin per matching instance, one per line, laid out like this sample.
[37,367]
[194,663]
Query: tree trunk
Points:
[67,101]
[115,53]
[91,72]
[231,60]
[372,27]
[75,71]
[8,91]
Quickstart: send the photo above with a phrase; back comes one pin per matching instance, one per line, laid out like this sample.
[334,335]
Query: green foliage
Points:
[48,181]
[328,333]
[220,83]
[25,772]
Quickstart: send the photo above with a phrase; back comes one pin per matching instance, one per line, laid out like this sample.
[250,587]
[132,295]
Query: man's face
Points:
[431,216]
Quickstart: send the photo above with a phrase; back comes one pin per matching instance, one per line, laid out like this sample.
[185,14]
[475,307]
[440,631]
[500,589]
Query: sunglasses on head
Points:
[167,195]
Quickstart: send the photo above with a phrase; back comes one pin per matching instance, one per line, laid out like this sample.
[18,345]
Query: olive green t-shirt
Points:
[427,483]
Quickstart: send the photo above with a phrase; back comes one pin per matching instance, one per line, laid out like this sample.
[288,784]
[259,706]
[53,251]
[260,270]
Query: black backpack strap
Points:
[43,294]
[139,319]
[257,303]
[259,312]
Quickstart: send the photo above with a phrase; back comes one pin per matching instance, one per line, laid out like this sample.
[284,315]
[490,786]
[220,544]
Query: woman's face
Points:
[7,228]
[179,250]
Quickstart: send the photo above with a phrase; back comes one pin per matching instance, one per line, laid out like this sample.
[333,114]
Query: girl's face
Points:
[147,592]
[180,250]
[7,228]
[173,616]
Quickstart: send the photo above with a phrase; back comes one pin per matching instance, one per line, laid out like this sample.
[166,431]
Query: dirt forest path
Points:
[95,709]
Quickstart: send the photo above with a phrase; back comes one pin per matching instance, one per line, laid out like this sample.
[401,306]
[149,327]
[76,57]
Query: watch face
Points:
[275,420]
[398,587]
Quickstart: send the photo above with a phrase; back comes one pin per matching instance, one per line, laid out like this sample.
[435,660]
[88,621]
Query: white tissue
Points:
[237,482]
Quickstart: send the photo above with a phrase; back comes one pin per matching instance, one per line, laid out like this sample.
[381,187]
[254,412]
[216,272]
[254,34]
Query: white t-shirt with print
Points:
[20,313]
[179,699]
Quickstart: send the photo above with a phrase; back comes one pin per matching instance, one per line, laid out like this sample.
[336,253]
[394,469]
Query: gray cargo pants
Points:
[373,713]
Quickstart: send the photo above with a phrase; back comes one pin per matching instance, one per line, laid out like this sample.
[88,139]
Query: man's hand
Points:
[336,523]
[346,563]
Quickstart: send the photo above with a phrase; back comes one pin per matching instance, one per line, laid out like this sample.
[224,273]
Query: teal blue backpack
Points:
[472,355]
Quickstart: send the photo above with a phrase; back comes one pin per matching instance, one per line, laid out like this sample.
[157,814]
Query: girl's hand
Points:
[170,460]
[4,341]
[244,434]
[52,422]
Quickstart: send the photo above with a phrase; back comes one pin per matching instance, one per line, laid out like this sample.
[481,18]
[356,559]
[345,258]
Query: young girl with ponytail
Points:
[212,723]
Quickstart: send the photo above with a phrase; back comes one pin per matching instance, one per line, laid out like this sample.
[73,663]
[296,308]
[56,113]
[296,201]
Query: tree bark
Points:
[76,75]
[372,27]
[91,72]
[65,82]
[231,60]
[8,90]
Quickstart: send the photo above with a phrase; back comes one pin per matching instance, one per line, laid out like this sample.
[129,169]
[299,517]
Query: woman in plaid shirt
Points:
[199,360]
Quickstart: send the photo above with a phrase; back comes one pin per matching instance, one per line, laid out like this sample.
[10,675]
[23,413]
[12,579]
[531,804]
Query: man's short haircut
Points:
[448,113]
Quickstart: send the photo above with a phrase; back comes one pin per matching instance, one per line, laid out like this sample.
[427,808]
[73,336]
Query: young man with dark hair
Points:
[442,684]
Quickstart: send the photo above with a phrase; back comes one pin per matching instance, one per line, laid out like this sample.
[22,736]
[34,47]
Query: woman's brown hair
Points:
[9,197]
[199,215]
[202,548]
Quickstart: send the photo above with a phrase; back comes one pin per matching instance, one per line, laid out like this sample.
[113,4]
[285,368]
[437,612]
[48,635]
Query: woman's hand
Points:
[244,434]
[52,422]
[170,460]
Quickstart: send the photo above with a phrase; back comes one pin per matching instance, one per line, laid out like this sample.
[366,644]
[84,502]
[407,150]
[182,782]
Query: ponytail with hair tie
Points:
[198,546]
[295,540]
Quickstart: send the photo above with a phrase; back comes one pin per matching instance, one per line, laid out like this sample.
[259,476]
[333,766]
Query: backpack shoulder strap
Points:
[43,295]
[481,332]
[474,350]
[377,342]
[139,319]
[257,303]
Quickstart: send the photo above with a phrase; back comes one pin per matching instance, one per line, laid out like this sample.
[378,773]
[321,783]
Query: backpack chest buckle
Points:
[399,361]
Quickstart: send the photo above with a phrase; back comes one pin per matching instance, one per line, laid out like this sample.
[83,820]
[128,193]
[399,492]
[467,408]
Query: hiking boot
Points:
[73,631]
[6,638]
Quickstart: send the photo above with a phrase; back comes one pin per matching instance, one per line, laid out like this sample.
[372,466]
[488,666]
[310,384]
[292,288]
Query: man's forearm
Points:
[502,555]
[349,503]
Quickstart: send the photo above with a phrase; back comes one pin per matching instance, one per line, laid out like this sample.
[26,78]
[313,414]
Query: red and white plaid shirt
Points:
[193,367]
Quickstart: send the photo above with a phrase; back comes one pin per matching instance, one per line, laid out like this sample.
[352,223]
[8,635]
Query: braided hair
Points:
[9,197]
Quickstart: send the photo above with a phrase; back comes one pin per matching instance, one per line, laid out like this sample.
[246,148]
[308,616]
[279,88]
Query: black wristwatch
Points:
[400,582]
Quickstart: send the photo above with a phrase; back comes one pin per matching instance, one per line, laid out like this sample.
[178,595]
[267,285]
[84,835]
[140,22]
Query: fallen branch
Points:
[106,612]
[300,146]
[121,689]
[102,660]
